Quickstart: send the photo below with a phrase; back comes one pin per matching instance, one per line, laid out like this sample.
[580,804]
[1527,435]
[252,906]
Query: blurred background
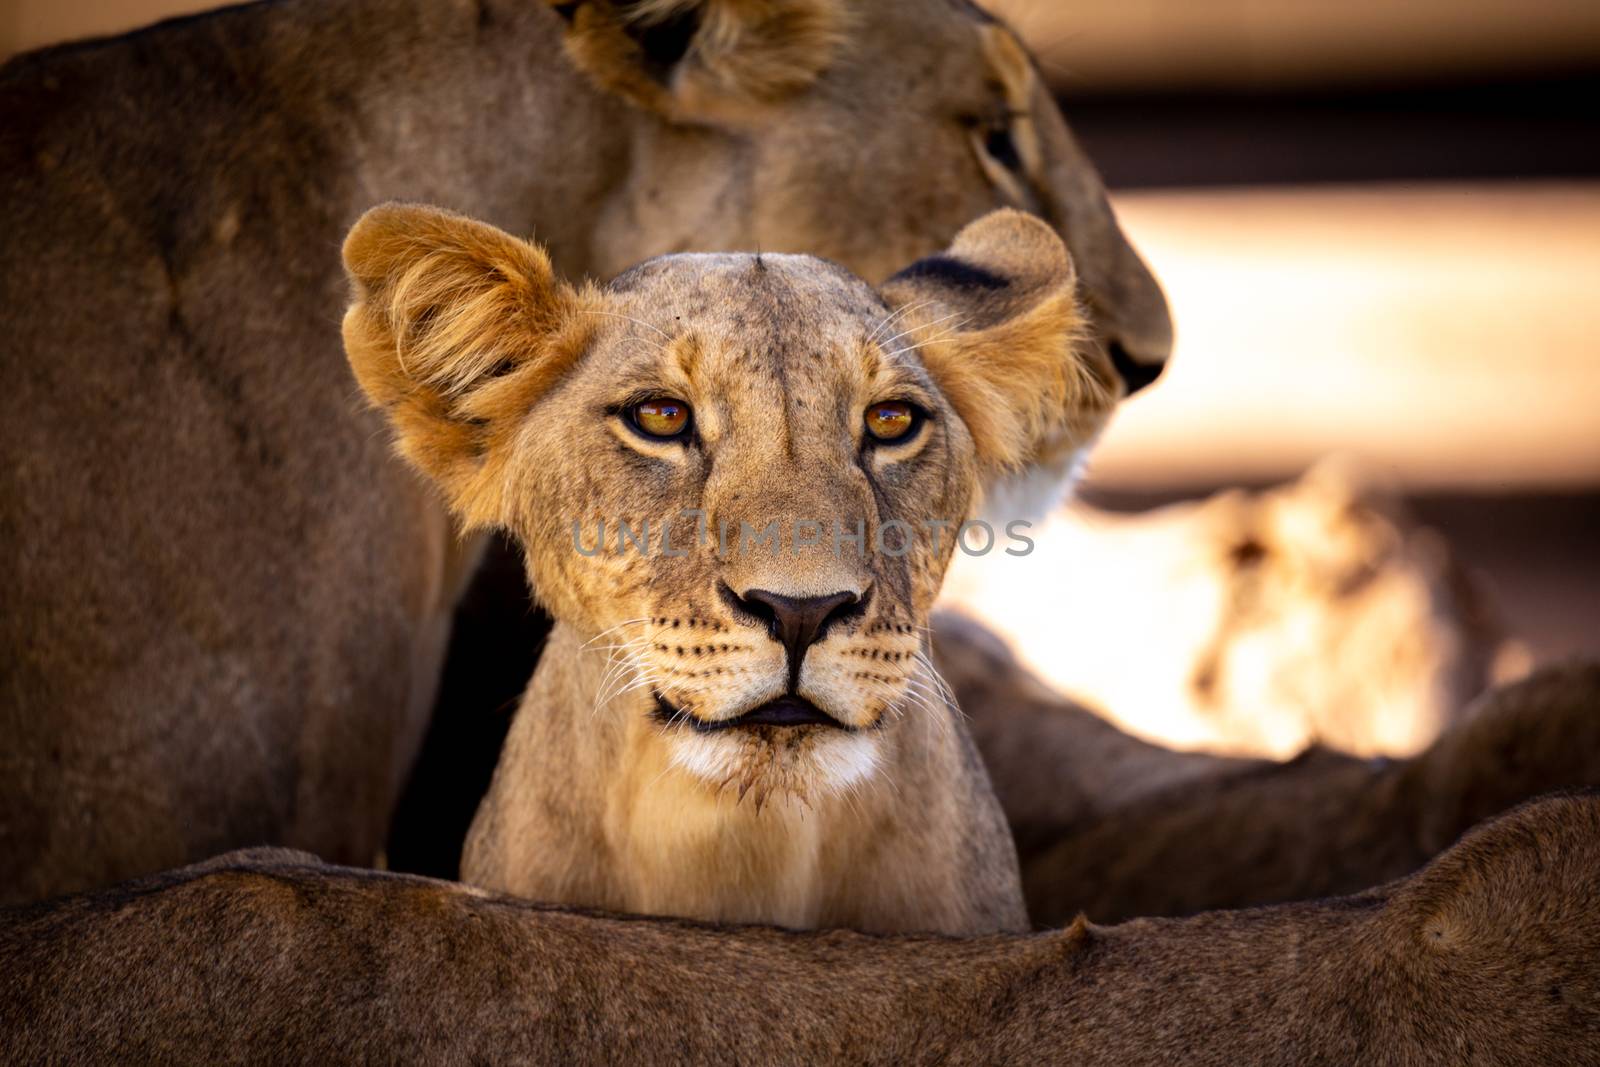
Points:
[1378,224]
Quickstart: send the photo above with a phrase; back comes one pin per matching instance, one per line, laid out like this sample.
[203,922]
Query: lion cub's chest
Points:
[680,849]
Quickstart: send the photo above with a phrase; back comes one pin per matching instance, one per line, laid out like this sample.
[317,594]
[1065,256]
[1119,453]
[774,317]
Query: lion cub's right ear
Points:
[455,330]
[995,319]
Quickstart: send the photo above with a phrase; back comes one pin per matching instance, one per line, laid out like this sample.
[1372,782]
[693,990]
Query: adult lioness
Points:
[832,440]
[227,603]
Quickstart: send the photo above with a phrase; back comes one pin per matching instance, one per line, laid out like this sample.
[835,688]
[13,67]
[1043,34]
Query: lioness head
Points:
[742,475]
[865,132]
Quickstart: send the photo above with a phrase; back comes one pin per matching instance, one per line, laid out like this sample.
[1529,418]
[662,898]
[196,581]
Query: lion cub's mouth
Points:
[784,711]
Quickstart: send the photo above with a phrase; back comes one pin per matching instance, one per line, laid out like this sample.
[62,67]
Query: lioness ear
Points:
[701,60]
[455,329]
[995,319]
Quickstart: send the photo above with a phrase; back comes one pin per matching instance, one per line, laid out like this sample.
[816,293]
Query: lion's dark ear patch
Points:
[663,42]
[995,320]
[951,272]
[704,60]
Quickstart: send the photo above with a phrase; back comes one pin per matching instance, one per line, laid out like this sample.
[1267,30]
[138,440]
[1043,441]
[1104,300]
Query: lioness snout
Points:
[796,623]
[1135,375]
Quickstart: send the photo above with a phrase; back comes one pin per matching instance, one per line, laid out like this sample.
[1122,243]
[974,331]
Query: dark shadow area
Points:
[497,637]
[1539,126]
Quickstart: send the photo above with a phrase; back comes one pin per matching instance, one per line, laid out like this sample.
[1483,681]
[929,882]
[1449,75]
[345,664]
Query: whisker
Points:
[616,667]
[618,626]
[904,310]
[941,339]
[628,674]
[924,326]
[635,642]
[638,683]
[631,678]
[630,318]
[938,679]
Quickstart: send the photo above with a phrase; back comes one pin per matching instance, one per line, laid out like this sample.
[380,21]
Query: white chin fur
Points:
[1033,492]
[828,764]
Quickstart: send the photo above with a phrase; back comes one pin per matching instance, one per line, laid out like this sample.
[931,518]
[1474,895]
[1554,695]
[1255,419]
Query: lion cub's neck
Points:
[588,808]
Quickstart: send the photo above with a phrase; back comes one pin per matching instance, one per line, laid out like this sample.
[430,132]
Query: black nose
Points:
[796,623]
[1134,374]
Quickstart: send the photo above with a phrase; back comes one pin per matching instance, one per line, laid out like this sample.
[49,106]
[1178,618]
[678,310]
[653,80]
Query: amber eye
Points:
[663,417]
[891,420]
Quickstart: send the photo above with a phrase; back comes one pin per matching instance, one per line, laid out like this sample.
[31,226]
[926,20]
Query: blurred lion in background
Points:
[1252,623]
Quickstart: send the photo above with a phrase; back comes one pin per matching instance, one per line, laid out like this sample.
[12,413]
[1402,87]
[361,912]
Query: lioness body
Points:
[229,603]
[1323,824]
[1486,957]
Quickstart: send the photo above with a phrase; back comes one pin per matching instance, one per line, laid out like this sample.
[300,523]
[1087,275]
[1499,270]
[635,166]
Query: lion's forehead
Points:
[745,291]
[750,337]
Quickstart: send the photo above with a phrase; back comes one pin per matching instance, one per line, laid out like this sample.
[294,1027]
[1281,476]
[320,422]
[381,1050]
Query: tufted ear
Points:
[455,329]
[703,60]
[995,319]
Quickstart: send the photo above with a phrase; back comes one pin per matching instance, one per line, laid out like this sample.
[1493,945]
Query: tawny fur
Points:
[1484,959]
[743,53]
[1007,376]
[891,827]
[230,601]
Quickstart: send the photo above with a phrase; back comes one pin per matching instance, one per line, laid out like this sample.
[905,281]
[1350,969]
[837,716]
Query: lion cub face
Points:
[741,477]
[751,487]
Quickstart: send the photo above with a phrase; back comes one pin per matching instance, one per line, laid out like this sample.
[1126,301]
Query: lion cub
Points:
[738,480]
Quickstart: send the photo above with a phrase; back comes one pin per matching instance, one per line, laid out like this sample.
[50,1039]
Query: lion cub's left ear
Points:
[995,319]
[455,330]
